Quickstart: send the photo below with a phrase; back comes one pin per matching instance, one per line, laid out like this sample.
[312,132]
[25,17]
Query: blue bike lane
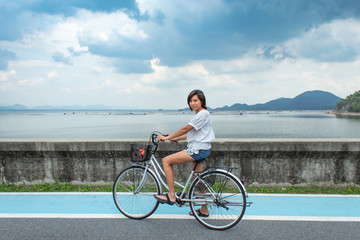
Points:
[300,207]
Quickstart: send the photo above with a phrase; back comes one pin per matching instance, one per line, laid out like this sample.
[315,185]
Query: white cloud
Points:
[6,79]
[102,27]
[335,41]
[31,82]
[53,74]
[118,59]
[11,80]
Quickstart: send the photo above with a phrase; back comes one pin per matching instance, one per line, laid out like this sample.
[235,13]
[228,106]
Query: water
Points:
[122,124]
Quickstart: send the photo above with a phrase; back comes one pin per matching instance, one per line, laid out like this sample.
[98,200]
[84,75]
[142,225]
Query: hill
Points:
[351,104]
[13,107]
[18,107]
[310,100]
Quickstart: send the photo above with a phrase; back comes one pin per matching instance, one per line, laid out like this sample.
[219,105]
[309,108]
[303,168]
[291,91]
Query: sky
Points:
[150,54]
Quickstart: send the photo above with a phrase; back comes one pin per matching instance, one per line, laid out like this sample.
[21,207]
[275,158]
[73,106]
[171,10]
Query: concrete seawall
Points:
[260,162]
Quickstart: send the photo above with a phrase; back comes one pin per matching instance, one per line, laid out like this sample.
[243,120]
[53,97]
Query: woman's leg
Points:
[199,169]
[173,159]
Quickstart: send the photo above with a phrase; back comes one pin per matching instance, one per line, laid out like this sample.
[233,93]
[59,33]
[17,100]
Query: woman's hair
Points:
[200,95]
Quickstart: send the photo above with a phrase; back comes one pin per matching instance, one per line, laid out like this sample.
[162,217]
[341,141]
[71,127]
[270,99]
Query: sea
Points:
[139,124]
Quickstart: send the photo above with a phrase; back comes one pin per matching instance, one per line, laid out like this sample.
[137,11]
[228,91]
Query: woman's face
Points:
[195,103]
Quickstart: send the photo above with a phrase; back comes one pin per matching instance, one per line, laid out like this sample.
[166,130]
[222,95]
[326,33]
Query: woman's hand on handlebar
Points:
[157,137]
[162,138]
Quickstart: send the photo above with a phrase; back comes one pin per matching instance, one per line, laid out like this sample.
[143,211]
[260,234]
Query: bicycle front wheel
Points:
[133,192]
[222,195]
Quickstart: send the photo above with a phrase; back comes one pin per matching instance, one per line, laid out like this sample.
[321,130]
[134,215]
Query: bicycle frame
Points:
[154,167]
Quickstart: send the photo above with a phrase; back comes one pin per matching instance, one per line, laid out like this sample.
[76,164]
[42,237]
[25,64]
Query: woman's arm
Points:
[178,135]
[183,137]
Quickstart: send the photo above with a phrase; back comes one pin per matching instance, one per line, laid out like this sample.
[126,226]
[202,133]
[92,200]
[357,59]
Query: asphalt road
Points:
[35,229]
[37,216]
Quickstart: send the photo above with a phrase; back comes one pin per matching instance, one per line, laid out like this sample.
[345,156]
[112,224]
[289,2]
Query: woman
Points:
[199,134]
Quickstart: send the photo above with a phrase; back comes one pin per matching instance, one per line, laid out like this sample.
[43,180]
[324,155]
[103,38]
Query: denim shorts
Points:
[200,155]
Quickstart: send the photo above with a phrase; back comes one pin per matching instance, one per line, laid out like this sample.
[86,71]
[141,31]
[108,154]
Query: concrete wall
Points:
[260,162]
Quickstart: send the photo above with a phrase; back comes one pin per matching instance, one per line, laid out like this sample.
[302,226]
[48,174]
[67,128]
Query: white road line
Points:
[303,195]
[250,194]
[55,193]
[179,216]
[58,215]
[302,218]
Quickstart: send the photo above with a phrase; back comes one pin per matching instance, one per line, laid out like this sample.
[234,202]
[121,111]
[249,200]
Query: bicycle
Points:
[220,190]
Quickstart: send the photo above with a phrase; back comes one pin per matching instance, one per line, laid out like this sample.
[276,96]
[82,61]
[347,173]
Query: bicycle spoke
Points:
[224,198]
[133,204]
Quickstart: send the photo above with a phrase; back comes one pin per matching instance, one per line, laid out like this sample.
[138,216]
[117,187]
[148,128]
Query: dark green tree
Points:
[350,104]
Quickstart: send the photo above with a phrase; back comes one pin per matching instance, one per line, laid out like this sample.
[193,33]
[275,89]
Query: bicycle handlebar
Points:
[153,137]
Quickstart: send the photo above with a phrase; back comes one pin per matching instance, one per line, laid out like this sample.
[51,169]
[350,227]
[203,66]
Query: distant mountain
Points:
[18,107]
[79,107]
[13,107]
[311,100]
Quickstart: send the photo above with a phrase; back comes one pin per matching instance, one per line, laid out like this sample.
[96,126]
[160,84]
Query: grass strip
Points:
[68,187]
[54,187]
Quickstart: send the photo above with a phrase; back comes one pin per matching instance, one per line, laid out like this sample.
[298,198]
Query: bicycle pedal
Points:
[178,194]
[180,202]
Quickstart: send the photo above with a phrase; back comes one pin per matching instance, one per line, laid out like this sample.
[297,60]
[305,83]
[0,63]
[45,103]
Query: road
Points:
[94,216]
[35,229]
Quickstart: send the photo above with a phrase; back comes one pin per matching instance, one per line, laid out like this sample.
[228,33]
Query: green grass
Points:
[54,187]
[67,187]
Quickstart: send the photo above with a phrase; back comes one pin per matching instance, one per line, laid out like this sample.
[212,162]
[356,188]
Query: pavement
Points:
[268,207]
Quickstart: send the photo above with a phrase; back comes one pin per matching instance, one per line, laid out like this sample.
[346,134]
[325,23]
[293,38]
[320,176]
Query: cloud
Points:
[179,32]
[120,51]
[77,52]
[277,53]
[199,30]
[69,7]
[129,66]
[59,57]
[53,74]
[5,56]
[21,17]
[337,40]
[7,79]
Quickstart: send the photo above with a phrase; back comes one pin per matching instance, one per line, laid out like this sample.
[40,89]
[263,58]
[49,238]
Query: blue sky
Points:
[152,53]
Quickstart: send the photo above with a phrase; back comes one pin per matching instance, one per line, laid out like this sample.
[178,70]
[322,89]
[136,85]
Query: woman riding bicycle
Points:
[199,134]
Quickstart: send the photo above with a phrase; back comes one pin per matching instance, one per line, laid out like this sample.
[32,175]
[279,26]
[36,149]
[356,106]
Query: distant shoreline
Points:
[346,113]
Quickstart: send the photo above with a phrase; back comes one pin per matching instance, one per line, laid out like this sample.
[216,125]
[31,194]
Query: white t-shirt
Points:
[200,137]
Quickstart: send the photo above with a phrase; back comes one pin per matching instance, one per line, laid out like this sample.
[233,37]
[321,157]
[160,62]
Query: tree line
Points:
[350,104]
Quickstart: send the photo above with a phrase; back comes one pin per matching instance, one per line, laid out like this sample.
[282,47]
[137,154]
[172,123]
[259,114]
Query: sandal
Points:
[199,213]
[162,201]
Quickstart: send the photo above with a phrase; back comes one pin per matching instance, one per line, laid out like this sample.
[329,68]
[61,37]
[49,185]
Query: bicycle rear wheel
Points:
[223,196]
[133,192]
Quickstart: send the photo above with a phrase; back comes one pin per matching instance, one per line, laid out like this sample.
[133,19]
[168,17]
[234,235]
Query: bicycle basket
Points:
[140,152]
